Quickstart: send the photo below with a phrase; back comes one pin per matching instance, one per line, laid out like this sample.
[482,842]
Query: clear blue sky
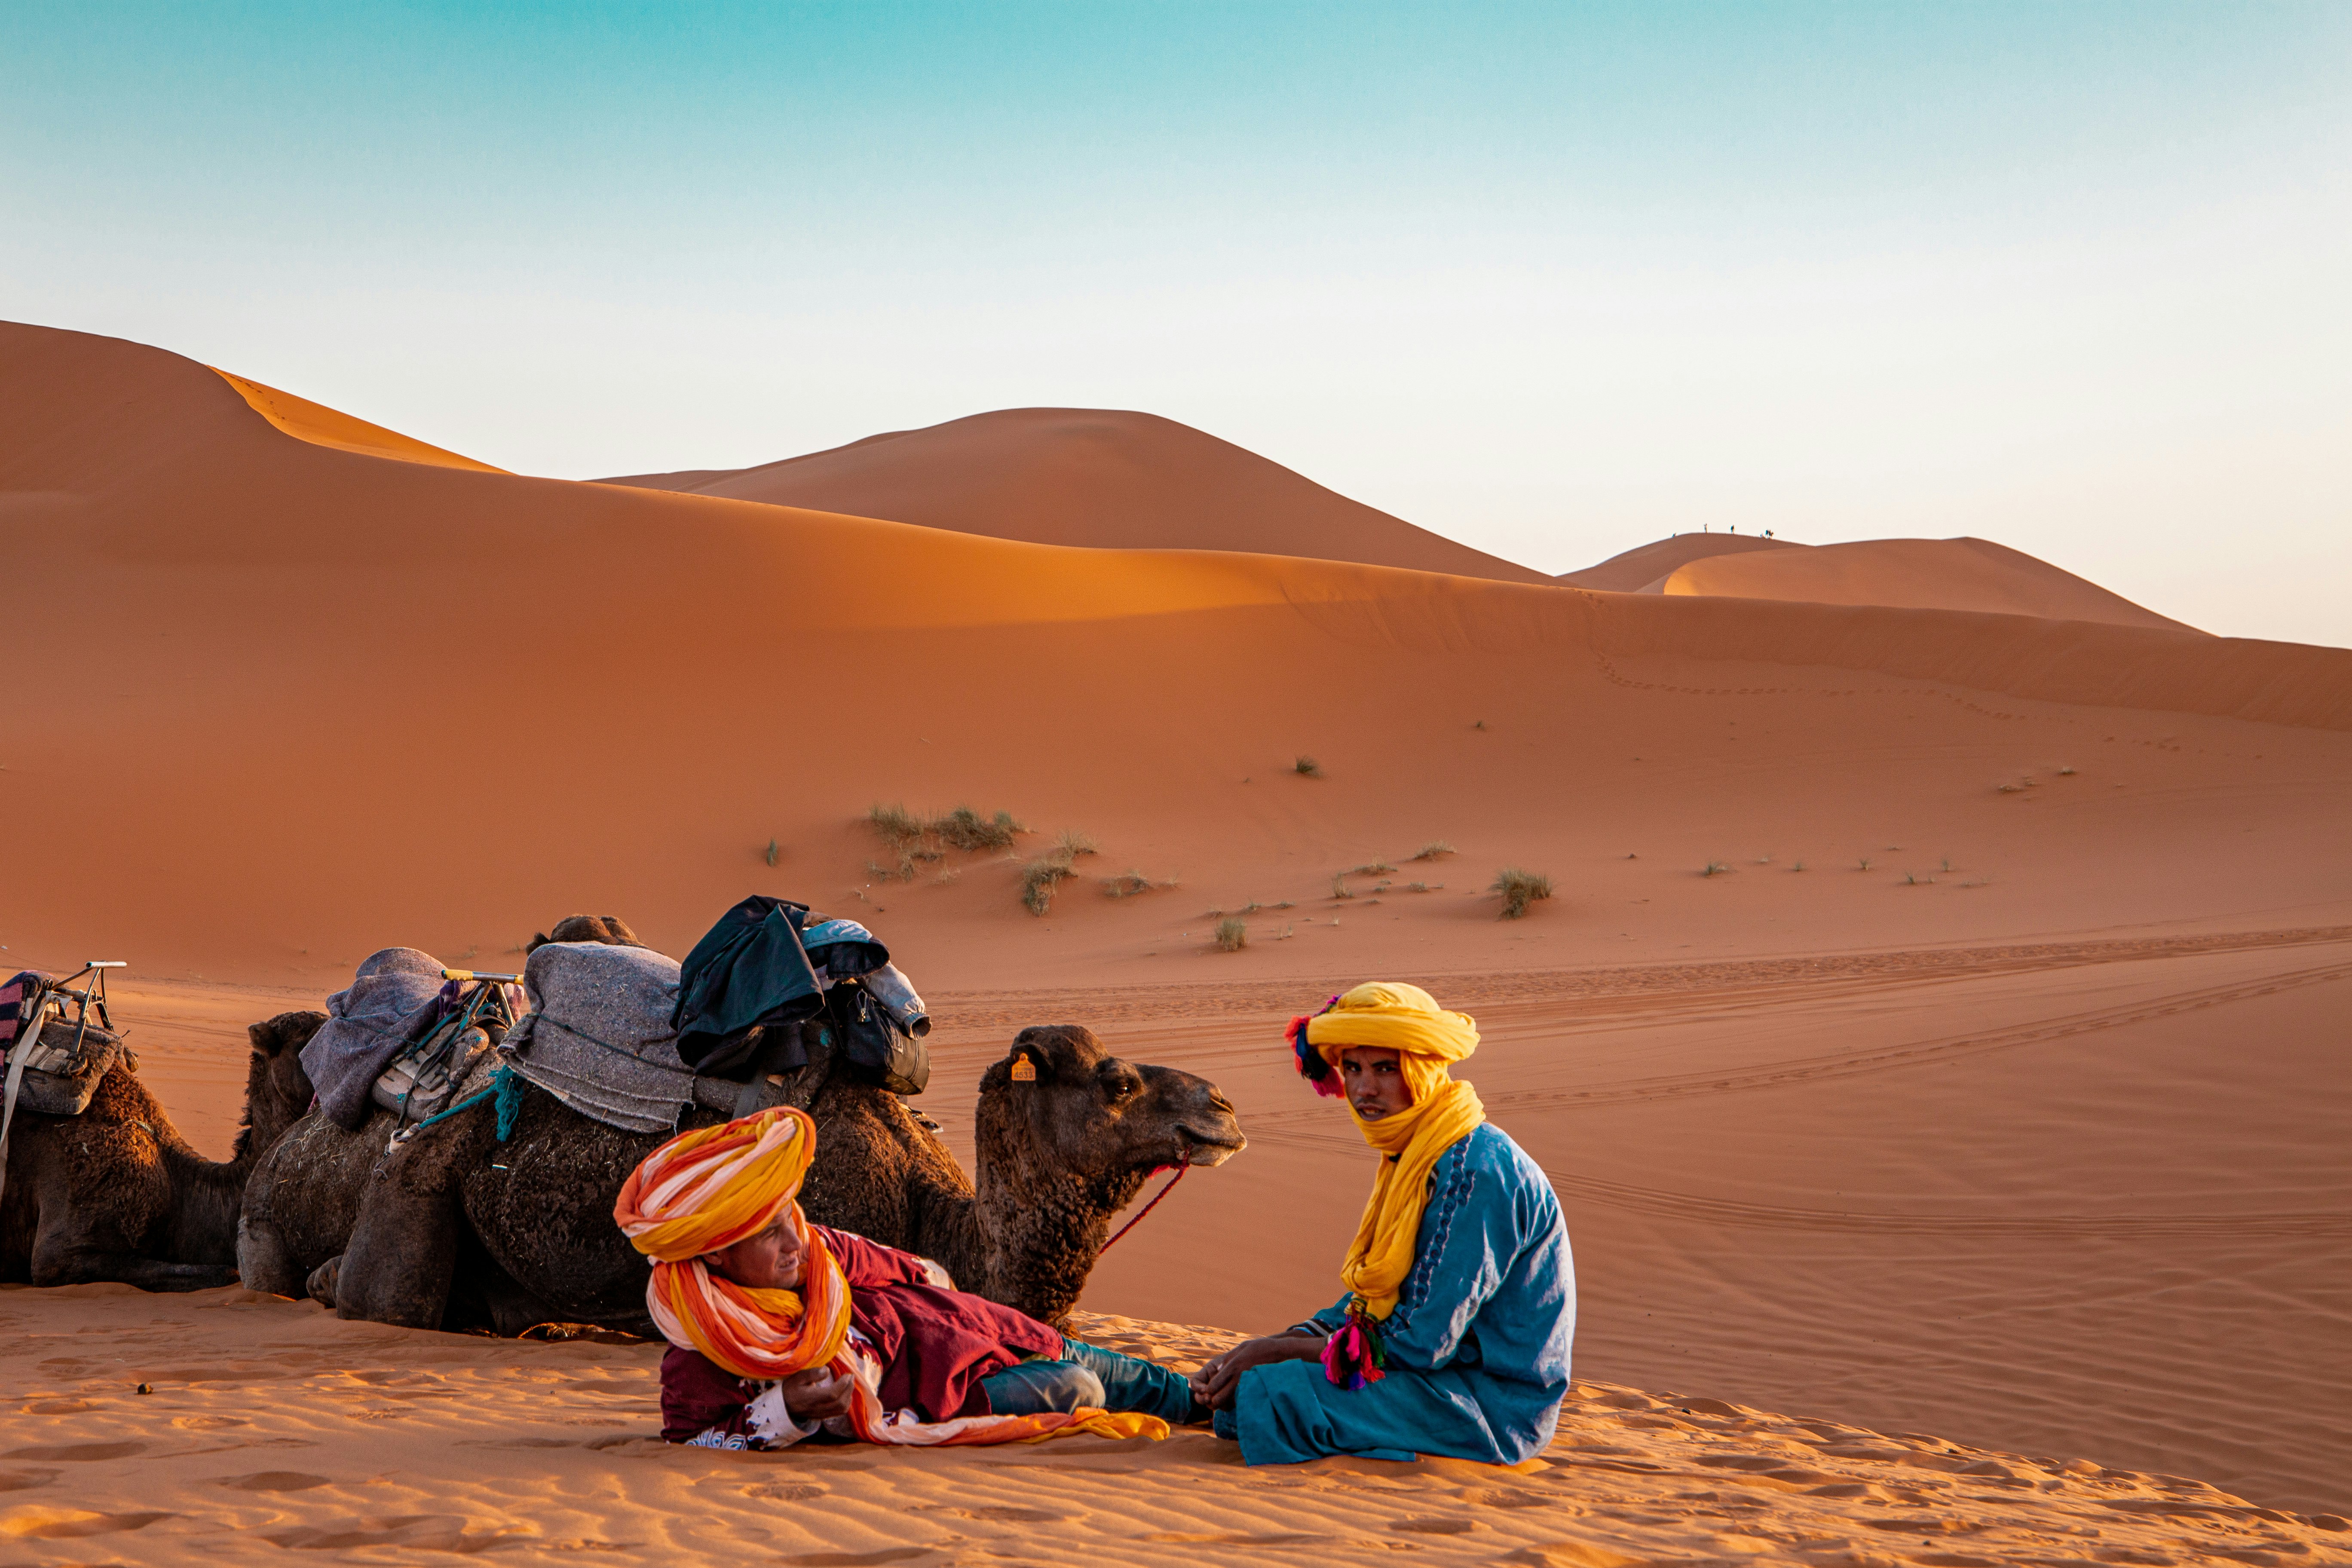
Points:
[1553,280]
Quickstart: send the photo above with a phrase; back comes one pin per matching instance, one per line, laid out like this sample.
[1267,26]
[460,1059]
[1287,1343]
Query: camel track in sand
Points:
[966,1012]
[1888,1058]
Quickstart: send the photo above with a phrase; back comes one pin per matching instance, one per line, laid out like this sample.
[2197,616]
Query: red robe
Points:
[935,1345]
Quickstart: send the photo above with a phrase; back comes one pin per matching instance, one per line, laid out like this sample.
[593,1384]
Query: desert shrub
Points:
[1233,934]
[1074,842]
[964,828]
[1436,848]
[895,826]
[1128,884]
[1307,767]
[1376,869]
[1040,877]
[1519,888]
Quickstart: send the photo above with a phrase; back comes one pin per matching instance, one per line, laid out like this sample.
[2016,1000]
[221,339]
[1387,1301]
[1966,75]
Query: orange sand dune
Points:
[1647,566]
[1852,1110]
[1915,573]
[1097,476]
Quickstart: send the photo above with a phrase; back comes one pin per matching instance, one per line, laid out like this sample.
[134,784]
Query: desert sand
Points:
[272,1426]
[1934,1031]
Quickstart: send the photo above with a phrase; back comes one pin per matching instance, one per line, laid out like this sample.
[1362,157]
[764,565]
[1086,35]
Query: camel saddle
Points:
[56,1043]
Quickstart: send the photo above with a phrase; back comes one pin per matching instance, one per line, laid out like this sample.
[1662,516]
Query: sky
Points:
[1551,280]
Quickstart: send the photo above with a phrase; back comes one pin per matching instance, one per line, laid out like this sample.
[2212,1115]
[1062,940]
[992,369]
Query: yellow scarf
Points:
[1406,1019]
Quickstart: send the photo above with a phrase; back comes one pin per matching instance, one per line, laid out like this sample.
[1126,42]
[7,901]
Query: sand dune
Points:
[1645,566]
[1970,1172]
[1102,478]
[1913,574]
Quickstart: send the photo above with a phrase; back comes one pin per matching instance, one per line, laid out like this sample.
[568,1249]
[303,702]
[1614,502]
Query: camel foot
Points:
[321,1286]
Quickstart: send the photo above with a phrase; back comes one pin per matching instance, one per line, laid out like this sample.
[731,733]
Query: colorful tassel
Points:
[1311,1065]
[1354,1357]
[508,1085]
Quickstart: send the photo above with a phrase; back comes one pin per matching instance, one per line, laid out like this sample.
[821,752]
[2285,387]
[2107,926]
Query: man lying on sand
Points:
[779,1328]
[1452,1336]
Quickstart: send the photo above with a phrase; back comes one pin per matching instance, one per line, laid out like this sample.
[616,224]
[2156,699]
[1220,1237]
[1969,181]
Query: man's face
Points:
[768,1261]
[1374,1079]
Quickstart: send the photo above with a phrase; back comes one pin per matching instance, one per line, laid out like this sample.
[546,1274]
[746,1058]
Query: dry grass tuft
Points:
[1716,869]
[964,828]
[1233,934]
[1128,884]
[1519,890]
[1340,886]
[1074,844]
[1435,849]
[1307,767]
[1040,877]
[1376,869]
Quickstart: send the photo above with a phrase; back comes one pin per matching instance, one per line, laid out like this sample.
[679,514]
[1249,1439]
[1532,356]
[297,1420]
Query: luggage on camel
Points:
[388,1007]
[598,1035]
[750,971]
[770,963]
[58,1042]
[471,1013]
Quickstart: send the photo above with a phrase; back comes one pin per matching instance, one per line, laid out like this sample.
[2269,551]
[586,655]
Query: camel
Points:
[459,1229]
[117,1195]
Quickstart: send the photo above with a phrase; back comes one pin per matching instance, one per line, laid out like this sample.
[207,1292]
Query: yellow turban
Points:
[1406,1019]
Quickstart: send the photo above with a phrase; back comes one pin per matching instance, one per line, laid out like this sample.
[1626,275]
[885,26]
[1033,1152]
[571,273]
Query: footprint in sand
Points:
[81,1452]
[207,1422]
[65,1523]
[274,1481]
[777,1491]
[1435,1524]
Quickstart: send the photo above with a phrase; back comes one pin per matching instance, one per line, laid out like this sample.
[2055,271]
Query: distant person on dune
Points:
[1452,1335]
[781,1329]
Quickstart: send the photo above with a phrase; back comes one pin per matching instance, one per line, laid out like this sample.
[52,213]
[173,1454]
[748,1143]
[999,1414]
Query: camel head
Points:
[277,1091]
[610,930]
[1091,1116]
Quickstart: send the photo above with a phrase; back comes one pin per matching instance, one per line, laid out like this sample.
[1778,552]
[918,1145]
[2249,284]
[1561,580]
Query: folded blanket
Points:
[389,1005]
[598,1035]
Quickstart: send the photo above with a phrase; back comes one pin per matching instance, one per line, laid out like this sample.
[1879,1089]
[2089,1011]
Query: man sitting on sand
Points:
[779,1328]
[1452,1337]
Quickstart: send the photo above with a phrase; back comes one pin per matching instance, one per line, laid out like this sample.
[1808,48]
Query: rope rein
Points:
[1183,1163]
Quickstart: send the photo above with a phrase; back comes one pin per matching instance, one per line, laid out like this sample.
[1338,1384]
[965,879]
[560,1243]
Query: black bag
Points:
[877,1050]
[748,970]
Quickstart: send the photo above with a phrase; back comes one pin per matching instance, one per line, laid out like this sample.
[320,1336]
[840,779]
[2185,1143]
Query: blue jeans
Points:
[1090,1377]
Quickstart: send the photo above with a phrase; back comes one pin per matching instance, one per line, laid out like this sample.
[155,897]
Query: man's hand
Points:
[819,1393]
[1214,1384]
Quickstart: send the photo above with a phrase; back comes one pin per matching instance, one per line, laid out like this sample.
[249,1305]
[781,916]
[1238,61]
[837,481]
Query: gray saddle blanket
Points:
[598,1035]
[390,1004]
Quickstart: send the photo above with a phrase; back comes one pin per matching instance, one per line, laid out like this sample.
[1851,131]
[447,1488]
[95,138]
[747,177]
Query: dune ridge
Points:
[324,426]
[1645,567]
[1915,573]
[1100,477]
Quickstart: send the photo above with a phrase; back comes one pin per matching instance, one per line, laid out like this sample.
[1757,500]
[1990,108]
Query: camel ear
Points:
[620,929]
[535,943]
[1029,1063]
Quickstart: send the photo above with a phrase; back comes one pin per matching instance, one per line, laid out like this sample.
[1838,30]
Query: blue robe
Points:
[1478,1344]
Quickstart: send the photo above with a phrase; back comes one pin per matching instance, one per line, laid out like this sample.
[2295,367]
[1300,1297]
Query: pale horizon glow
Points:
[1551,280]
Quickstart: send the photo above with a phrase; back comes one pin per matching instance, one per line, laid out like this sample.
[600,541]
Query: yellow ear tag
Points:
[1024,1070]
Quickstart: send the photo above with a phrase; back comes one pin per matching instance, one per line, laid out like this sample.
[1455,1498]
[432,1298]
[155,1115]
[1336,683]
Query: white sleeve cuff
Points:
[772,1423]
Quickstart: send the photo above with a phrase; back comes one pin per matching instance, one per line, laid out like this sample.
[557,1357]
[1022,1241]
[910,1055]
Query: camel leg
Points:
[263,1262]
[404,1251]
[62,1258]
